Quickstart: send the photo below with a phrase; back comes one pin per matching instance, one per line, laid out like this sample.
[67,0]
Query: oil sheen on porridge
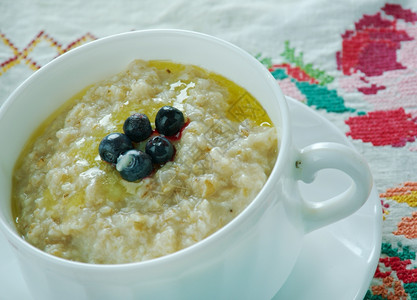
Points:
[70,203]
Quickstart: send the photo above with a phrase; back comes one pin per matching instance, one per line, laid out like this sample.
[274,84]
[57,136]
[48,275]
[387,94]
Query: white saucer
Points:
[336,262]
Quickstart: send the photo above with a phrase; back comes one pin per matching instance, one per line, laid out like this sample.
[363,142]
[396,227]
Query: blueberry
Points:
[159,149]
[134,165]
[137,127]
[112,145]
[169,121]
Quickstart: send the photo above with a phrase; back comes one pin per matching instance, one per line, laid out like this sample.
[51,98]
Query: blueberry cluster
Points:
[119,148]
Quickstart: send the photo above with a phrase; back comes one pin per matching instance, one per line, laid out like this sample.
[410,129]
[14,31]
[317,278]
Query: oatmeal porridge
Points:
[70,203]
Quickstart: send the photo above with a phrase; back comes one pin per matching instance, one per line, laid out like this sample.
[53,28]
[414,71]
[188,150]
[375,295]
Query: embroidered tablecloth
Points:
[354,62]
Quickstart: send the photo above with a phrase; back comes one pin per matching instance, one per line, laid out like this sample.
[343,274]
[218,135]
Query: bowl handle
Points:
[333,156]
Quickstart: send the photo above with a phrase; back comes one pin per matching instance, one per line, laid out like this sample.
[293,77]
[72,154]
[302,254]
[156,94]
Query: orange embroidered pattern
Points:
[408,227]
[407,193]
[22,56]
[390,289]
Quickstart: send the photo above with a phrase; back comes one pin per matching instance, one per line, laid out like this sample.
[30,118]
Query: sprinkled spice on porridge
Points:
[71,203]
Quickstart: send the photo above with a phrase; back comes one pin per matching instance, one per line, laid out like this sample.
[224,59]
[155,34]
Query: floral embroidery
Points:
[382,128]
[395,276]
[377,59]
[305,82]
[372,47]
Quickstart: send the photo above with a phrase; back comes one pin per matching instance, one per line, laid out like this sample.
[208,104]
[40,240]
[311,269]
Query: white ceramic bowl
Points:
[249,258]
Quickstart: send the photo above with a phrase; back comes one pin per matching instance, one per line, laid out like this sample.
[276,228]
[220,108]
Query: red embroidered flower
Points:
[383,128]
[371,47]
